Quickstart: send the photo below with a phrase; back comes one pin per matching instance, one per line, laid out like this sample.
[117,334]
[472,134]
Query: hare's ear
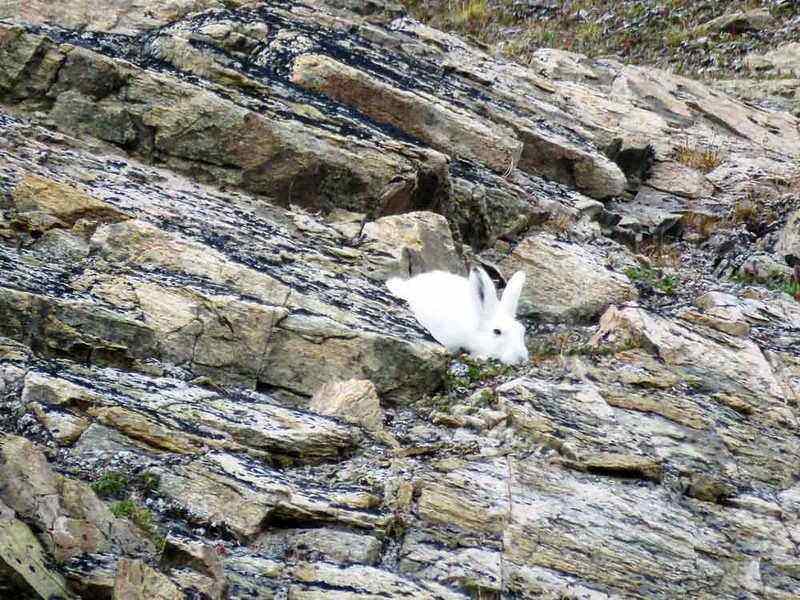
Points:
[512,292]
[484,293]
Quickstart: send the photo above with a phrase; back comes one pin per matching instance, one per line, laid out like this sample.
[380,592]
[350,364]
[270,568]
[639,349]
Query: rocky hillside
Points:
[709,39]
[700,37]
[207,391]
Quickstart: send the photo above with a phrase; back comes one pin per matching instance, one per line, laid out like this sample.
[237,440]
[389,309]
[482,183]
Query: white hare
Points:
[464,313]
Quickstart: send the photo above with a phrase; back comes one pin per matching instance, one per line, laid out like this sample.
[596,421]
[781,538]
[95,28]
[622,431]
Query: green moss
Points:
[116,484]
[138,515]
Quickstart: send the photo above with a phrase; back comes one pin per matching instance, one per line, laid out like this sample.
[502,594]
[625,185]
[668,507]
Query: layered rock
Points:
[589,288]
[206,390]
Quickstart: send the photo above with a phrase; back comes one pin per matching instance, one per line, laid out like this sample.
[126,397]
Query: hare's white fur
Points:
[465,313]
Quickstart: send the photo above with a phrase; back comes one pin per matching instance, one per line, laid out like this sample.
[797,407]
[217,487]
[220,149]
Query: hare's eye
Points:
[497,332]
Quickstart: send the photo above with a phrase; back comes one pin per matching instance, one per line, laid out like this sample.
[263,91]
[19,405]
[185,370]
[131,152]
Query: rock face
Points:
[23,563]
[788,245]
[737,22]
[354,401]
[136,581]
[409,244]
[568,282]
[207,391]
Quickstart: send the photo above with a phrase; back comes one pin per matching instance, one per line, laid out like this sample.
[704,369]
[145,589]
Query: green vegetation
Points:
[474,372]
[137,514]
[792,288]
[110,484]
[776,281]
[665,33]
[116,484]
[467,380]
[124,488]
[655,278]
[142,518]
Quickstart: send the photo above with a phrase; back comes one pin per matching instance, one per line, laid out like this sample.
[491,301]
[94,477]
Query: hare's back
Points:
[443,305]
[439,288]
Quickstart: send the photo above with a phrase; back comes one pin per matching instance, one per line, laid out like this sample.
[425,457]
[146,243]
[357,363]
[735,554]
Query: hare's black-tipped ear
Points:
[484,293]
[511,294]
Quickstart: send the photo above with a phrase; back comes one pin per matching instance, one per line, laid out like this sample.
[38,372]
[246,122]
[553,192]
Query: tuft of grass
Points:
[703,159]
[558,223]
[676,35]
[111,483]
[473,12]
[754,213]
[588,33]
[114,484]
[123,508]
[667,284]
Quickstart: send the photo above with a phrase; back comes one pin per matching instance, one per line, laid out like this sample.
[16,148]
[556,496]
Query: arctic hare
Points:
[465,313]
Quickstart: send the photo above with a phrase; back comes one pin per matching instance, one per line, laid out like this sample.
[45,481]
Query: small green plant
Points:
[137,514]
[111,483]
[117,485]
[792,288]
[666,284]
[123,508]
[588,33]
